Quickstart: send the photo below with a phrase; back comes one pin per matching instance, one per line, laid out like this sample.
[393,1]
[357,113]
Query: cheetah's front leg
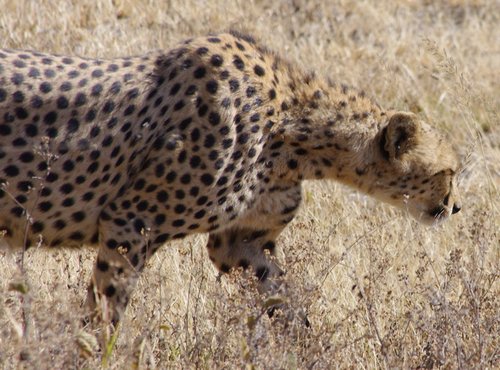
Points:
[113,281]
[252,241]
[244,247]
[126,243]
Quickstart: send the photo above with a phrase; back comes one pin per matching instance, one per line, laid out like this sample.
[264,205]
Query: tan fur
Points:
[213,136]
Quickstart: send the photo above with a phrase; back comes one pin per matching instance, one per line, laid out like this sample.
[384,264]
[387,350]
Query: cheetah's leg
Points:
[252,241]
[113,281]
[123,252]
[243,247]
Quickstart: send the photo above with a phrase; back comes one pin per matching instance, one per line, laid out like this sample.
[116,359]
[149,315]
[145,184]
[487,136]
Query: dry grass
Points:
[380,290]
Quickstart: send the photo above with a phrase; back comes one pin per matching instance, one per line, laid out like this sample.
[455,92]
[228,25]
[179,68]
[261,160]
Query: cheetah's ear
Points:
[400,135]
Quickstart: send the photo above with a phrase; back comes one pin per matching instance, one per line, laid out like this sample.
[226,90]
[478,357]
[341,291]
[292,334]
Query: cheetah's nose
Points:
[456,208]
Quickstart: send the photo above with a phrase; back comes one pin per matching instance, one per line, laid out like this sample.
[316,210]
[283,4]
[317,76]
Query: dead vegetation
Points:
[380,290]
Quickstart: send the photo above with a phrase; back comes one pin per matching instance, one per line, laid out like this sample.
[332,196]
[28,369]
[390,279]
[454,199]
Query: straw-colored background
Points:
[380,290]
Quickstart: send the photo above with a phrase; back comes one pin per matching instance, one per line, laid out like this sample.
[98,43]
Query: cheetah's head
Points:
[417,170]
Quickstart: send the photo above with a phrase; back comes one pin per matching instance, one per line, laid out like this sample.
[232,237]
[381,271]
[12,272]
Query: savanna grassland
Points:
[380,290]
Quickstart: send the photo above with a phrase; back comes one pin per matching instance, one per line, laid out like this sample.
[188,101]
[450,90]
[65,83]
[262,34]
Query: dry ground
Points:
[380,290]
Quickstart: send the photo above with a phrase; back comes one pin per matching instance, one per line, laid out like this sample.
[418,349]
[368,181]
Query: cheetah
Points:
[214,136]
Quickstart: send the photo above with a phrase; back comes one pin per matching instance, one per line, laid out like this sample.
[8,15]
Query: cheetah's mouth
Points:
[434,216]
[438,212]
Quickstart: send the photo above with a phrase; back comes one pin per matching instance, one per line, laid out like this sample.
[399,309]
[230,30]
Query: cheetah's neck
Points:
[331,132]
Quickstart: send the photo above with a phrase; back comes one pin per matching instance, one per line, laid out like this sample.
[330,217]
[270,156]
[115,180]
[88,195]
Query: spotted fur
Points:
[214,136]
